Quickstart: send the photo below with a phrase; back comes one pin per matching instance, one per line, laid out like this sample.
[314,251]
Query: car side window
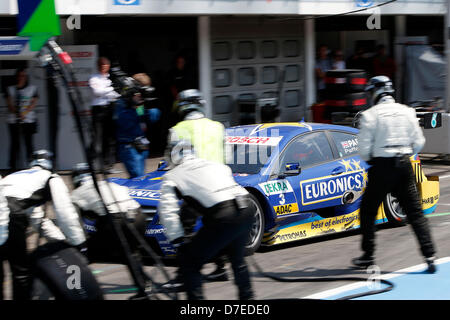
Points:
[308,150]
[346,143]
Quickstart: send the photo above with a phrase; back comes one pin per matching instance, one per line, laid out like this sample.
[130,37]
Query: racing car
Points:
[305,179]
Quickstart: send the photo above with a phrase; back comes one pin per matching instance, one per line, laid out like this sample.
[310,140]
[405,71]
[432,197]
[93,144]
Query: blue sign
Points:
[12,46]
[364,3]
[127,2]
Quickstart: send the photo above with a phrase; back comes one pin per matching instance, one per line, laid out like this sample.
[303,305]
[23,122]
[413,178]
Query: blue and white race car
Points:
[306,180]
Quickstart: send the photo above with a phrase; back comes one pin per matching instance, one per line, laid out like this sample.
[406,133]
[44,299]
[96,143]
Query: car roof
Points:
[287,130]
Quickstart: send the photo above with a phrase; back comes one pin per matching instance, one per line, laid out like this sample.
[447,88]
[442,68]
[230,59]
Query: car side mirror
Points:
[292,169]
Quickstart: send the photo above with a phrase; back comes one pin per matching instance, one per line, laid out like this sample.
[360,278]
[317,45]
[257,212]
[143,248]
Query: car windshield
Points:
[249,159]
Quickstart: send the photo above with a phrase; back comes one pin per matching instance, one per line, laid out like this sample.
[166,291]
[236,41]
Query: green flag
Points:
[38,20]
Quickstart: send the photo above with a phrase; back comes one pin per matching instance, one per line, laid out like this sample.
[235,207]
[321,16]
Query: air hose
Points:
[389,284]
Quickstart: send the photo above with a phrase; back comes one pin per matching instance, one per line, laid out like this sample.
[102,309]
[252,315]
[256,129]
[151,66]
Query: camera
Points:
[129,88]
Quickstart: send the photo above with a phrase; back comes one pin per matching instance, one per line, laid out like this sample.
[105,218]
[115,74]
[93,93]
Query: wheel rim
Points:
[256,227]
[395,208]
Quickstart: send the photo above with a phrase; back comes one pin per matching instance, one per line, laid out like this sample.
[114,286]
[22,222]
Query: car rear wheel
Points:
[394,212]
[257,231]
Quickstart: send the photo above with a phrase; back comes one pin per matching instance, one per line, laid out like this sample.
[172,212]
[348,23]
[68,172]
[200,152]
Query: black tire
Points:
[257,232]
[51,263]
[345,80]
[393,211]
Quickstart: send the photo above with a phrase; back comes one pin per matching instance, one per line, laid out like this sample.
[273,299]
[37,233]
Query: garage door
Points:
[249,59]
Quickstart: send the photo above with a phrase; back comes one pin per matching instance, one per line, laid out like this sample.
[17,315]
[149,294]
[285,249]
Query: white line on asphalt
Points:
[357,285]
[444,177]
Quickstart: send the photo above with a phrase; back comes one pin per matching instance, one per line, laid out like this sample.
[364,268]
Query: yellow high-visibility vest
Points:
[206,136]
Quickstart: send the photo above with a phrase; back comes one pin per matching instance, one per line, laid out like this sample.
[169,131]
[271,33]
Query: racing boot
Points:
[431,264]
[364,261]
[174,285]
[220,274]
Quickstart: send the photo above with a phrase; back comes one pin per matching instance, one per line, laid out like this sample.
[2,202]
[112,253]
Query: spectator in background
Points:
[21,99]
[102,114]
[383,65]
[323,64]
[180,79]
[359,60]
[338,60]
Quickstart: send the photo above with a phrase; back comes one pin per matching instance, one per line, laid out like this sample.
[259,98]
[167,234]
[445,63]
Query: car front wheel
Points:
[257,231]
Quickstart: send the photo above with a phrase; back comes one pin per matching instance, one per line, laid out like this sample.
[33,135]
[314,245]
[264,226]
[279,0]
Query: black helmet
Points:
[378,87]
[42,158]
[80,173]
[190,100]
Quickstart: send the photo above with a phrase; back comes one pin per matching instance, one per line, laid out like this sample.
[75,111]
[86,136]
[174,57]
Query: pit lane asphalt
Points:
[326,256]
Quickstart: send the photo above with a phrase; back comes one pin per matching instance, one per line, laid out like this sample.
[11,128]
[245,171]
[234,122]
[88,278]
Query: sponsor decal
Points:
[144,194]
[319,227]
[333,187]
[291,236]
[275,187]
[263,141]
[430,200]
[286,209]
[350,146]
[151,232]
[90,228]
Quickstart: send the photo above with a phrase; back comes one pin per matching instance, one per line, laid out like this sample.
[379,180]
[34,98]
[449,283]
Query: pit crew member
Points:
[23,191]
[227,217]
[389,135]
[87,201]
[207,137]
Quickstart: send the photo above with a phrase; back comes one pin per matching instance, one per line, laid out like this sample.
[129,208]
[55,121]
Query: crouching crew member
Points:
[389,135]
[88,202]
[227,216]
[21,192]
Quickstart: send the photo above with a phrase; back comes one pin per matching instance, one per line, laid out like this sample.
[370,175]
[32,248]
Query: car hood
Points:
[145,189]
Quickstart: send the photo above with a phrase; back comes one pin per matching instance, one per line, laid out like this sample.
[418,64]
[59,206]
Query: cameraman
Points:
[133,146]
[149,112]
[102,114]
